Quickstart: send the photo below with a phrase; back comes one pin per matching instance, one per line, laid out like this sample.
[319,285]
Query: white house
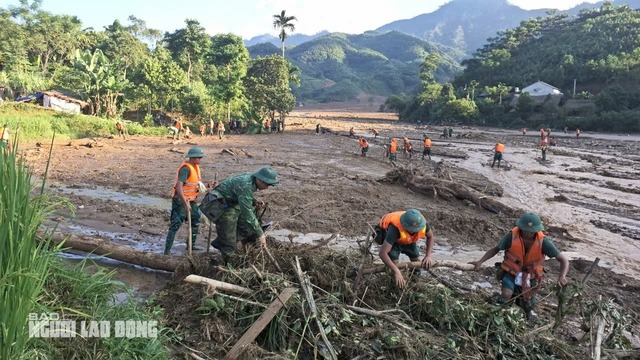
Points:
[541,88]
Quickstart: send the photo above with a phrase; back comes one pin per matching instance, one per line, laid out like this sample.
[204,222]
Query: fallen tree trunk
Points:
[416,265]
[118,252]
[431,186]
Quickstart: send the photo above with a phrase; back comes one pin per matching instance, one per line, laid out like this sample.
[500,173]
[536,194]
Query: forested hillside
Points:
[599,49]
[339,67]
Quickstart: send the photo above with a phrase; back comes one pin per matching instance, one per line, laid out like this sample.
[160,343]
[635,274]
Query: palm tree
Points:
[283,23]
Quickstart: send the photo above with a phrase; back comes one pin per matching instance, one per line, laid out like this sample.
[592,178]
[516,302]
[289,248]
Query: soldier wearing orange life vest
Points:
[521,271]
[393,149]
[187,186]
[220,129]
[407,147]
[364,146]
[498,150]
[427,148]
[375,133]
[544,144]
[399,232]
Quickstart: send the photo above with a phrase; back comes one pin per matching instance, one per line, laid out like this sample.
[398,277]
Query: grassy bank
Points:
[36,123]
[74,294]
[33,282]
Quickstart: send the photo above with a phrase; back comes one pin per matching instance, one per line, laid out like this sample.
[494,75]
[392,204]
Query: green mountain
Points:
[339,67]
[599,48]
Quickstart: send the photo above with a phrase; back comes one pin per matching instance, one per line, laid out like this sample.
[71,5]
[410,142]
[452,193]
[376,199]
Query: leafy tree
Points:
[230,57]
[464,110]
[284,24]
[161,79]
[395,103]
[267,87]
[189,47]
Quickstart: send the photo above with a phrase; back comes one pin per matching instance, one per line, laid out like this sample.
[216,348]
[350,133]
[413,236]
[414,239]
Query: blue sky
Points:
[249,18]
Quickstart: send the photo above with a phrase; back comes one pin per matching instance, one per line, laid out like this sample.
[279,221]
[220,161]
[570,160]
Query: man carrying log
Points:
[522,269]
[187,186]
[399,232]
[497,154]
[231,206]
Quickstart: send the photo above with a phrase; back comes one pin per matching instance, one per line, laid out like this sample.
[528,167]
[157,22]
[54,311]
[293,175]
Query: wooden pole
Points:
[218,285]
[415,265]
[262,322]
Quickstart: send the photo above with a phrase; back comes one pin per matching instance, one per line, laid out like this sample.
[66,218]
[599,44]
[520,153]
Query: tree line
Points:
[130,67]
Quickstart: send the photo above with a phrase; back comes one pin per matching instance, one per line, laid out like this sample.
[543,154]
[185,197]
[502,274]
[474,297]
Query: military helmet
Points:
[267,175]
[195,152]
[530,222]
[413,221]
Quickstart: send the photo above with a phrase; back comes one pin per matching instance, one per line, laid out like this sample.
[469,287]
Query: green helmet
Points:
[195,152]
[267,175]
[530,222]
[413,221]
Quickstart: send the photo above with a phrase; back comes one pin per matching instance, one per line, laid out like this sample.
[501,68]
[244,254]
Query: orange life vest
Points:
[118,126]
[394,146]
[405,238]
[202,127]
[190,187]
[500,148]
[515,259]
[220,126]
[363,143]
[544,142]
[267,124]
[427,143]
[541,131]
[178,124]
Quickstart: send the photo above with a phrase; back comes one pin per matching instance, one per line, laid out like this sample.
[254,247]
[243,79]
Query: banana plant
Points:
[103,83]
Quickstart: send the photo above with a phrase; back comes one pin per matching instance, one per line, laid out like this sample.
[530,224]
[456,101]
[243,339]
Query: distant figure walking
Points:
[220,129]
[427,148]
[498,151]
[524,131]
[577,133]
[375,133]
[544,143]
[318,129]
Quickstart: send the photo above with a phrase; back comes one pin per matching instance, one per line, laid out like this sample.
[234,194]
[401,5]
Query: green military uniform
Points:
[239,217]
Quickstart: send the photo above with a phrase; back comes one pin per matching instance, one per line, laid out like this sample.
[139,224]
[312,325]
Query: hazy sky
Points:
[248,18]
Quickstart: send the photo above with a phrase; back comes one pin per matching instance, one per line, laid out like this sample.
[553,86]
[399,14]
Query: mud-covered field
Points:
[588,192]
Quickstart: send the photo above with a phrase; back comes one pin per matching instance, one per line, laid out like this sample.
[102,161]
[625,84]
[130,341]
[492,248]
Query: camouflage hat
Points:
[413,221]
[530,222]
[267,175]
[195,152]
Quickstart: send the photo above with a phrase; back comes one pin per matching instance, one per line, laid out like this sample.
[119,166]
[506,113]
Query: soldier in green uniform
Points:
[237,217]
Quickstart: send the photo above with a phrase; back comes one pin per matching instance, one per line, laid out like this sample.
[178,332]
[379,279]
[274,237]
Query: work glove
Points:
[202,187]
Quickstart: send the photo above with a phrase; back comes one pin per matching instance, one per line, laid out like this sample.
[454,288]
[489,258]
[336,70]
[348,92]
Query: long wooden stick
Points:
[416,265]
[273,260]
[588,274]
[305,284]
[260,324]
[218,285]
[190,234]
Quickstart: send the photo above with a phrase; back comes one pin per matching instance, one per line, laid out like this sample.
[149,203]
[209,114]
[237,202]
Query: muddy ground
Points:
[588,192]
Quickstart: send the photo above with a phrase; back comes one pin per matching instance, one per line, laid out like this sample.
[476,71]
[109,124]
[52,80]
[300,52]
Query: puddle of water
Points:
[108,194]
